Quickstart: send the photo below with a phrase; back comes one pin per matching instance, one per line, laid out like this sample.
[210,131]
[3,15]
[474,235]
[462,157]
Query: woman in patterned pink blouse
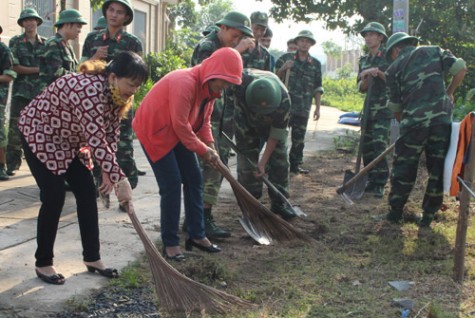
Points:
[76,118]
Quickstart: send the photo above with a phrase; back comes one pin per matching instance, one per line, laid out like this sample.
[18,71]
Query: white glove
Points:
[123,191]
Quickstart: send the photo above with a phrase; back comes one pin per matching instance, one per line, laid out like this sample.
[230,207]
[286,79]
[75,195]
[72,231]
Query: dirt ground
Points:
[343,272]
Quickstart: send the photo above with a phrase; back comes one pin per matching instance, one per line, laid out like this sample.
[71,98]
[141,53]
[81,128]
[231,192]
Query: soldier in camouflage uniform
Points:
[378,116]
[105,44]
[26,49]
[257,56]
[261,117]
[265,41]
[232,28]
[304,84]
[423,106]
[57,57]
[7,74]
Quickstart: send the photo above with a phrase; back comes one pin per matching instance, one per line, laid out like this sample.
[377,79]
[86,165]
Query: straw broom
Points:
[178,293]
[261,218]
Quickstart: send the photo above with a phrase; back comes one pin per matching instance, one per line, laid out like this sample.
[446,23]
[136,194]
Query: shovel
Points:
[356,190]
[269,184]
[355,179]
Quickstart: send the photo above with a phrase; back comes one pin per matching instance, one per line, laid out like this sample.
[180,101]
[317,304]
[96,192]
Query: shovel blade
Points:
[356,190]
[258,237]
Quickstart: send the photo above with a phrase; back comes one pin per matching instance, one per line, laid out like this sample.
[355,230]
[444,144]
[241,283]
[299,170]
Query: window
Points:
[46,10]
[140,27]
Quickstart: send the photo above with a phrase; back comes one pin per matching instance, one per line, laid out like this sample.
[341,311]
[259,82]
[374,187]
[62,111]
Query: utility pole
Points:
[400,16]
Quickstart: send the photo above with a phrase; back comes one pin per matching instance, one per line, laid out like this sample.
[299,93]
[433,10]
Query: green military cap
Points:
[238,21]
[374,27]
[306,34]
[396,38]
[126,3]
[70,16]
[263,96]
[259,18]
[209,29]
[101,23]
[29,13]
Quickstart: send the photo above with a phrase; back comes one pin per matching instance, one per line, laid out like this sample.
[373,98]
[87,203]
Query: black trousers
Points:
[52,195]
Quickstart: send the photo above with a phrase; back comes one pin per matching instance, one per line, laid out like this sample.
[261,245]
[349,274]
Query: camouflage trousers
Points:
[250,144]
[375,141]
[434,141]
[3,127]
[124,154]
[212,178]
[298,129]
[14,150]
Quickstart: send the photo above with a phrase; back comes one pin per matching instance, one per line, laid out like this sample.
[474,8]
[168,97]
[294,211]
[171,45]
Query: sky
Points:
[289,29]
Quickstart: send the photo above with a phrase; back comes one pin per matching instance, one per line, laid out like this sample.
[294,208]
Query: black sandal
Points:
[177,258]
[55,279]
[108,272]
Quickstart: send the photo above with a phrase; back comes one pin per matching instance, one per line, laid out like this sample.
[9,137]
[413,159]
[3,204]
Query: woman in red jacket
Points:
[173,125]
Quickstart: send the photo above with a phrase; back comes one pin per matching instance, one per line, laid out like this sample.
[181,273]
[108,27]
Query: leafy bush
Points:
[143,90]
[160,64]
[163,62]
[464,106]
[342,94]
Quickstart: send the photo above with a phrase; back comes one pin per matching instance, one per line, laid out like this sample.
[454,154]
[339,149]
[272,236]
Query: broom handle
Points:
[287,77]
[365,170]
[269,184]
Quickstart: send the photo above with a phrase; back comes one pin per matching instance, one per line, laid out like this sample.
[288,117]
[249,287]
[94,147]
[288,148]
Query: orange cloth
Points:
[462,148]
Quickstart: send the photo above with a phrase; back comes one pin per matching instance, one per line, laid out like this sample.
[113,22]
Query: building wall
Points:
[156,25]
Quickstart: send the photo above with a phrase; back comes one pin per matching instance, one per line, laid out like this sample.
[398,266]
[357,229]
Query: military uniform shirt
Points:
[378,100]
[57,59]
[426,103]
[304,82]
[205,48]
[259,58]
[122,41]
[6,64]
[26,54]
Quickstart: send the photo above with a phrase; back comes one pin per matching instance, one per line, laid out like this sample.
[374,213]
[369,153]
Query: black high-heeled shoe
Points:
[177,258]
[107,272]
[212,248]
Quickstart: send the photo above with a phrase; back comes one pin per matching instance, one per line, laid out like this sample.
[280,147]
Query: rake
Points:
[263,221]
[178,293]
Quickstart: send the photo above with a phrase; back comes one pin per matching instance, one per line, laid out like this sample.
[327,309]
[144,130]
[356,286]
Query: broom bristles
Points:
[178,293]
[262,219]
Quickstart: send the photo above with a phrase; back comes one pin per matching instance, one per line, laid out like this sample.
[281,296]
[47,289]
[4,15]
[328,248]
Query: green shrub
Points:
[160,64]
[163,62]
[342,94]
[143,90]
[464,106]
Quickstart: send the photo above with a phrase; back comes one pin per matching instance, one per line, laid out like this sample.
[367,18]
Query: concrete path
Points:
[24,295]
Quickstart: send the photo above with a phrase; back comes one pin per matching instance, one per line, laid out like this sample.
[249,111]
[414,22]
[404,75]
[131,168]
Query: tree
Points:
[186,15]
[332,51]
[189,18]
